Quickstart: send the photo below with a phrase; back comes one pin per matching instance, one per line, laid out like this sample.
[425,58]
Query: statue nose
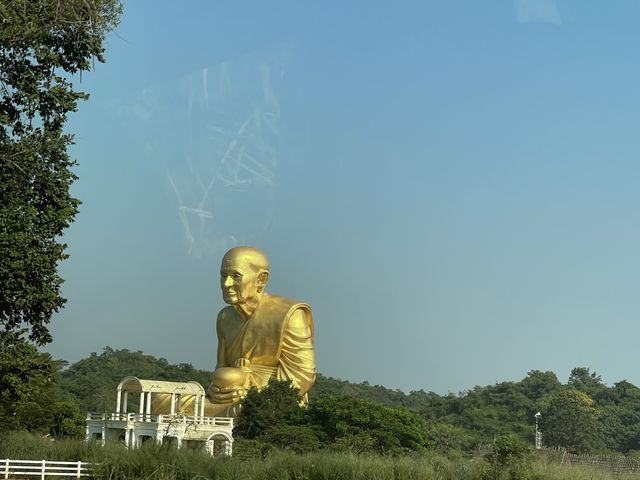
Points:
[227,281]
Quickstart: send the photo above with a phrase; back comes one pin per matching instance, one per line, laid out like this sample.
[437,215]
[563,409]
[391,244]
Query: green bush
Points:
[361,442]
[510,458]
[448,439]
[246,449]
[294,438]
[346,420]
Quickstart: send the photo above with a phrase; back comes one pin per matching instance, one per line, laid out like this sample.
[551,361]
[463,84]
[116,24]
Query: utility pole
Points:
[538,432]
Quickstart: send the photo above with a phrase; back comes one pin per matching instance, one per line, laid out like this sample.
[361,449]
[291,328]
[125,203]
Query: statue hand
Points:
[226,395]
[242,362]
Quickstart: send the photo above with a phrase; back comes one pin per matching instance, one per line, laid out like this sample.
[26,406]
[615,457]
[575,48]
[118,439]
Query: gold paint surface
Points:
[260,336]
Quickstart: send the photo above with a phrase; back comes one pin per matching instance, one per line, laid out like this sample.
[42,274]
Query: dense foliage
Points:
[93,380]
[570,419]
[361,417]
[42,42]
[584,415]
[510,458]
[30,396]
[275,416]
[276,405]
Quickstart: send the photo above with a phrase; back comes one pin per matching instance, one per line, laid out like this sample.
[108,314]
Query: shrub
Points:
[294,438]
[245,449]
[510,458]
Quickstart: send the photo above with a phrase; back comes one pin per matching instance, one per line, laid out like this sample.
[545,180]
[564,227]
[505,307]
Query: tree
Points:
[537,384]
[67,420]
[93,380]
[273,417]
[448,438]
[26,384]
[588,382]
[42,43]
[276,405]
[570,419]
[356,423]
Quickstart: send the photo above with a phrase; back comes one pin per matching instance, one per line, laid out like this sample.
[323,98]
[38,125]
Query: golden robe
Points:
[277,339]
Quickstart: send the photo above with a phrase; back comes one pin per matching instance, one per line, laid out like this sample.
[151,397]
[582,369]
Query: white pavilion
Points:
[161,412]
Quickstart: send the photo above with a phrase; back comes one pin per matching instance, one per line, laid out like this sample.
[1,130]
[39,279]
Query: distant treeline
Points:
[584,415]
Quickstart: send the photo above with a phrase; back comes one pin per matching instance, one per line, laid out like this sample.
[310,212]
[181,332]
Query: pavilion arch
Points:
[162,397]
[219,443]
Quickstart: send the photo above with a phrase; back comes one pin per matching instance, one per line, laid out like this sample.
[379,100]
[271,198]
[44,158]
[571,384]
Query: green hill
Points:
[596,417]
[93,380]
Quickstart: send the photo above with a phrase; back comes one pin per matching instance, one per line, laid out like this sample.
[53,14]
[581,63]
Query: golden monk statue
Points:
[260,336]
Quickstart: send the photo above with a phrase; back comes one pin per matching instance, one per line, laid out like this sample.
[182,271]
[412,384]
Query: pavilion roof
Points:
[135,384]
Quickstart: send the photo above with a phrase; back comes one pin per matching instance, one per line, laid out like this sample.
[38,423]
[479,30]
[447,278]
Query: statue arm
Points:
[220,361]
[297,359]
[227,394]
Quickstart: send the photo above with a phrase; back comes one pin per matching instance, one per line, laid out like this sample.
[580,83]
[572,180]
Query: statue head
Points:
[243,276]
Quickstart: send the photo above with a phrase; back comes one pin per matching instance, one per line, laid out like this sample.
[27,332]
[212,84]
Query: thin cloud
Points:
[543,11]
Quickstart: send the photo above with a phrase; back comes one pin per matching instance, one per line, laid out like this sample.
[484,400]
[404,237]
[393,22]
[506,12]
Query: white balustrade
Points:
[166,418]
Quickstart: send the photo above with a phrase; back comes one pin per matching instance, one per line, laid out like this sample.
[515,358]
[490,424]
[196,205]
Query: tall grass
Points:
[156,462]
[26,446]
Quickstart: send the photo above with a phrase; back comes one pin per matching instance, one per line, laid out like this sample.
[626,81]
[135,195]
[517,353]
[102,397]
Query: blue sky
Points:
[452,185]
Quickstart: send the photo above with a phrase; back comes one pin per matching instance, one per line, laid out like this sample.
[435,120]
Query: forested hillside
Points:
[584,415]
[93,380]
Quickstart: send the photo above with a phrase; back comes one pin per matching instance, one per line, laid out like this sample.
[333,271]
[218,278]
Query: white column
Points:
[149,403]
[124,401]
[228,447]
[178,400]
[195,406]
[173,403]
[118,398]
[142,397]
[202,402]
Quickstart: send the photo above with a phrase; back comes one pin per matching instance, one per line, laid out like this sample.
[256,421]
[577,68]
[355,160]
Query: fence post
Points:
[6,468]
[79,469]
[44,463]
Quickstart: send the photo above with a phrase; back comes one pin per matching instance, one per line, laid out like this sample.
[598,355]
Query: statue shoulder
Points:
[293,313]
[285,304]
[226,314]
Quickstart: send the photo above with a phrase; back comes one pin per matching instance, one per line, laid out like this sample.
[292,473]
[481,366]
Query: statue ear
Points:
[263,277]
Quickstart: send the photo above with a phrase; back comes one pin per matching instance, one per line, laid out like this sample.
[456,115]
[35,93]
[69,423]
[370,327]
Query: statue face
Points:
[240,283]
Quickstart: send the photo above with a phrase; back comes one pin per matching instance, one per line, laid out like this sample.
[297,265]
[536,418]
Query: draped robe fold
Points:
[277,339]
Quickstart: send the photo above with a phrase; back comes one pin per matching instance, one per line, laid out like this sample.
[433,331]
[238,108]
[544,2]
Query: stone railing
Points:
[217,421]
[122,417]
[143,417]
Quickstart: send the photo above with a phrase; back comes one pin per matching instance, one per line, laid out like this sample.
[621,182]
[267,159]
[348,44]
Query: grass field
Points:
[162,463]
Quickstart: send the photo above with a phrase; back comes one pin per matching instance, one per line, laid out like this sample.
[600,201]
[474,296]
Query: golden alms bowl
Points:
[228,377]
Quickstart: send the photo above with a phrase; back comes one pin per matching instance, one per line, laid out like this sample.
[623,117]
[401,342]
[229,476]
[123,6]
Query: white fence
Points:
[42,469]
[166,418]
